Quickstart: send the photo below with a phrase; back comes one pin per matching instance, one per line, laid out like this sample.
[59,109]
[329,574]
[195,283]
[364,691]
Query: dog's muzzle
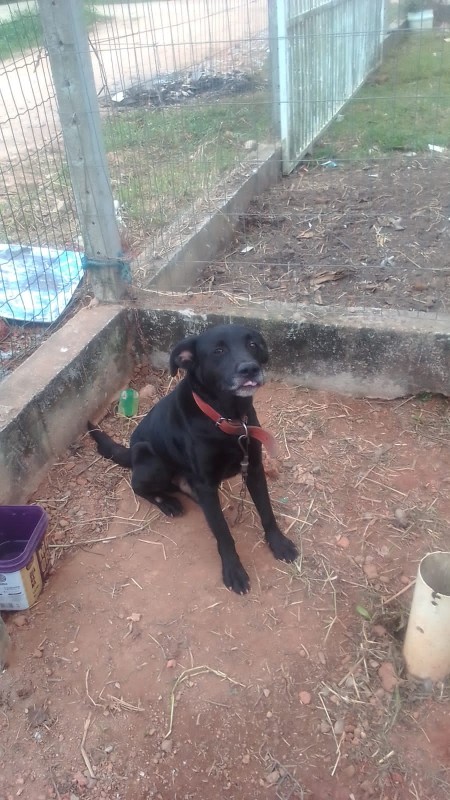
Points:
[248,379]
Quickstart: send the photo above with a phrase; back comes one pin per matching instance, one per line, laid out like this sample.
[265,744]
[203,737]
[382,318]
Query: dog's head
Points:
[224,358]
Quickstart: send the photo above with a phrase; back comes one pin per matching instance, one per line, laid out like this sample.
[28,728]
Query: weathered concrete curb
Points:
[181,268]
[355,351]
[45,403]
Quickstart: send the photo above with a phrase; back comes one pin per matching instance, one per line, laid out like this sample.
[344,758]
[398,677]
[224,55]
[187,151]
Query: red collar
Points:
[238,427]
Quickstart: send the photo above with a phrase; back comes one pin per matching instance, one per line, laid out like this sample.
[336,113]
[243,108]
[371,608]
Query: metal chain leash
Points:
[243,444]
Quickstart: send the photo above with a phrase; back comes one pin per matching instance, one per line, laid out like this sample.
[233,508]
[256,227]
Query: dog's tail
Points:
[108,448]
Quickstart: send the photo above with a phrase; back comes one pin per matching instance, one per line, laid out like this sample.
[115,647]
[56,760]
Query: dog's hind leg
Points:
[151,479]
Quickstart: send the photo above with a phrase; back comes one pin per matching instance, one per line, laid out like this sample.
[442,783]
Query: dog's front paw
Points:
[235,577]
[282,547]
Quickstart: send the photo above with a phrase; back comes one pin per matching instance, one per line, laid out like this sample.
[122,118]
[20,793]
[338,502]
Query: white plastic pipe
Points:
[427,642]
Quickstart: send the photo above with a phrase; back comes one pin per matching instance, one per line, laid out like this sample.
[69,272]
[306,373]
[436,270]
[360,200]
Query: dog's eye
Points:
[252,345]
[218,351]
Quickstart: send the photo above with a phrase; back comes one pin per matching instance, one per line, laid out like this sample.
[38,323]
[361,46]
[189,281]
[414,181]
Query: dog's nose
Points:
[248,369]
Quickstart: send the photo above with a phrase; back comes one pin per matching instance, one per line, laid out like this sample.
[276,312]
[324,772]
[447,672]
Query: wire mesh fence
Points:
[187,94]
[364,219]
[184,91]
[39,232]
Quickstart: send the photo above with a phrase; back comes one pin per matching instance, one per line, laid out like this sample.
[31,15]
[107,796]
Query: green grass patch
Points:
[23,31]
[404,107]
[163,161]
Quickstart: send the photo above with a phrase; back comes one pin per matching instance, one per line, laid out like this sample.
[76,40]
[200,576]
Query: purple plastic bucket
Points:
[24,559]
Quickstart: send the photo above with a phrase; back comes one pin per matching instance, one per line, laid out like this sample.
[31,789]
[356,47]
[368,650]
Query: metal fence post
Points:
[274,66]
[67,44]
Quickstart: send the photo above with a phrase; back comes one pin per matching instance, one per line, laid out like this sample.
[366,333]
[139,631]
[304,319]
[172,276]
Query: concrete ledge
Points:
[181,268]
[45,403]
[354,351]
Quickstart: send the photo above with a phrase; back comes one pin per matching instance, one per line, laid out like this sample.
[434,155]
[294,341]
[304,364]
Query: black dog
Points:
[184,437]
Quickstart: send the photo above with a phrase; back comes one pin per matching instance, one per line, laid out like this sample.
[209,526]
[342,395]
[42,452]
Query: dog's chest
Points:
[219,463]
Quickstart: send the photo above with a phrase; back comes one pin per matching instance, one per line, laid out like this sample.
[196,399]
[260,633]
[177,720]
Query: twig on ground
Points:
[338,744]
[193,672]
[119,702]
[55,786]
[104,539]
[86,683]
[83,741]
[147,541]
[398,594]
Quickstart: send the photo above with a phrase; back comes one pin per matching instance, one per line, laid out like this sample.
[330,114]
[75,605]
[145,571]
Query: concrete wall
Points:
[359,352]
[45,403]
[180,268]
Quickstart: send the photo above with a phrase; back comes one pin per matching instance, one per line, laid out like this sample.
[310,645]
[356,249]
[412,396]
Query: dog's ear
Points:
[183,355]
[263,355]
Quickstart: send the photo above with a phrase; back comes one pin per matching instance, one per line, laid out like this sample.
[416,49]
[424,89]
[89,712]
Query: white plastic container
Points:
[427,642]
[24,556]
[421,20]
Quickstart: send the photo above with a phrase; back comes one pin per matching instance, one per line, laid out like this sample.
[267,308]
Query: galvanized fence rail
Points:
[325,51]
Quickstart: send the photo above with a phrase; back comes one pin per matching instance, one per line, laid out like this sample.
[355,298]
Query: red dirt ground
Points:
[371,234]
[279,693]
